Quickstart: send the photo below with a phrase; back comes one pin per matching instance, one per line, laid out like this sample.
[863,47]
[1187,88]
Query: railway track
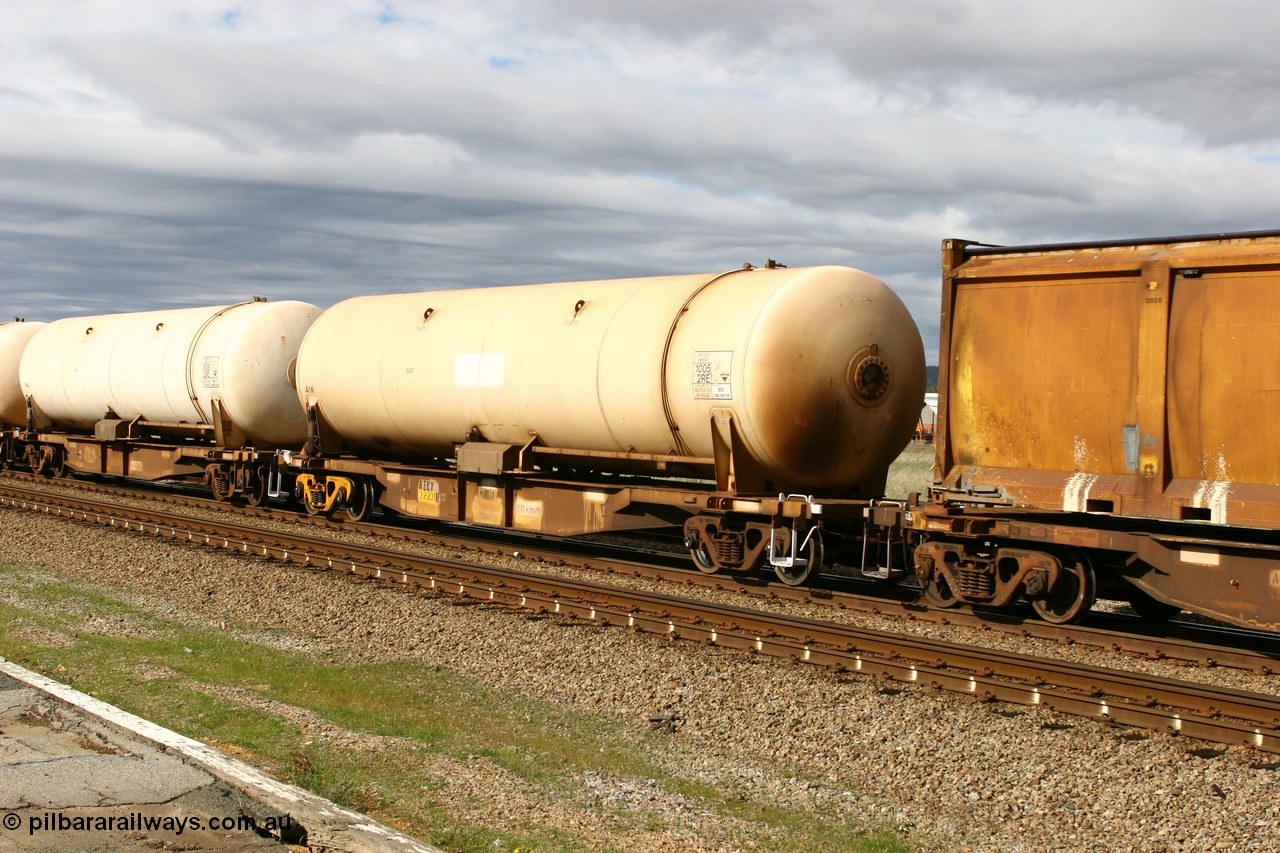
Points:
[1117,697]
[1196,643]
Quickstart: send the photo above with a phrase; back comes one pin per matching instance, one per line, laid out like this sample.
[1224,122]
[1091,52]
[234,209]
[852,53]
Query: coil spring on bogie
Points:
[729,550]
[977,583]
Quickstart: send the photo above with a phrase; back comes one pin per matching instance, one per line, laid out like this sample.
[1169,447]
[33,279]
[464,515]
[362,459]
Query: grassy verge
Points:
[911,472]
[384,738]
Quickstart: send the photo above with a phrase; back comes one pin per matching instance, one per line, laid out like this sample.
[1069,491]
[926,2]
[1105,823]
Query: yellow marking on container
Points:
[429,498]
[714,636]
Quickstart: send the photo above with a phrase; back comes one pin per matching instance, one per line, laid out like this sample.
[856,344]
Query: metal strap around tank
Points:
[191,354]
[681,448]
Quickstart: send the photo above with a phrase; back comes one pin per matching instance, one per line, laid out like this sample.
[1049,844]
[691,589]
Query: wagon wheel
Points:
[57,466]
[813,552]
[1071,596]
[938,592]
[702,558]
[357,507]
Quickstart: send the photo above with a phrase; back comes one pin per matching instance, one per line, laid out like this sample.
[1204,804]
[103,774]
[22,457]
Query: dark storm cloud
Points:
[235,239]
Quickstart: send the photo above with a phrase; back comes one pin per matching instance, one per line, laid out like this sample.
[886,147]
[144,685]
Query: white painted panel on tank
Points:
[712,375]
[479,369]
[209,372]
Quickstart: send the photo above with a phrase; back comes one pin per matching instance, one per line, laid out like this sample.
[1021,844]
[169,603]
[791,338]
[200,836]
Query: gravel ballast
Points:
[948,772]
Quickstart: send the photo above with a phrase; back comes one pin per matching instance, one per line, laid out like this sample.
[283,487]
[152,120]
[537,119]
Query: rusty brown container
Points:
[1129,378]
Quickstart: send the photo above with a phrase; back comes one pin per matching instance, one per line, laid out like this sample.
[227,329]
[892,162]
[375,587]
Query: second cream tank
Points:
[821,369]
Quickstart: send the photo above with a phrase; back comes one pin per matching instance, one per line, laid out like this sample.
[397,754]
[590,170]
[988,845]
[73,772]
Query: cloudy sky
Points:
[198,152]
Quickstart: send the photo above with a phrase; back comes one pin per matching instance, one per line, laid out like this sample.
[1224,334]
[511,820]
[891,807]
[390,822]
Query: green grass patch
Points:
[270,706]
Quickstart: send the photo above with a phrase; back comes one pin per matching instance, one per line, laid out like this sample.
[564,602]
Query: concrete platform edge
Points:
[330,827]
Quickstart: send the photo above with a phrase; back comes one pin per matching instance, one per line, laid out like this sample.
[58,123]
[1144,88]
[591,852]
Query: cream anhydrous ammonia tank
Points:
[172,366]
[820,370]
[13,340]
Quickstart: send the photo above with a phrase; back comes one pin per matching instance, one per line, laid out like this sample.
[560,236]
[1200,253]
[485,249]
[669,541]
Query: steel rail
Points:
[1202,645]
[1202,711]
